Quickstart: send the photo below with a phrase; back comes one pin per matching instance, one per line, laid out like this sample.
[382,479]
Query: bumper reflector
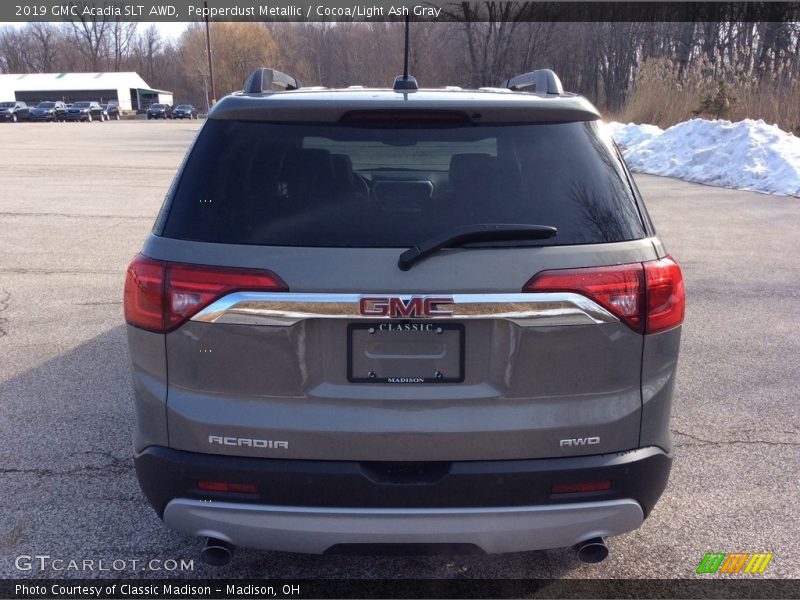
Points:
[583,486]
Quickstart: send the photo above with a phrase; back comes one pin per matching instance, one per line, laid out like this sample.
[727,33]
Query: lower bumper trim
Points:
[314,529]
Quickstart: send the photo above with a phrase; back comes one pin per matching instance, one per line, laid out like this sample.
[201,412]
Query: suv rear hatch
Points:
[300,337]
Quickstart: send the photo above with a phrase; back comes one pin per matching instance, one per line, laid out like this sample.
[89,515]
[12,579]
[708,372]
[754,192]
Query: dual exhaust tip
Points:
[592,551]
[218,553]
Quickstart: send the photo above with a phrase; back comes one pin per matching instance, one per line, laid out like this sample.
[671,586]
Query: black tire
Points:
[89,118]
[117,117]
[14,118]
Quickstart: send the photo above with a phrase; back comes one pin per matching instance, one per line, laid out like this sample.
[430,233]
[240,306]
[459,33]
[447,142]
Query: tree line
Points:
[609,62]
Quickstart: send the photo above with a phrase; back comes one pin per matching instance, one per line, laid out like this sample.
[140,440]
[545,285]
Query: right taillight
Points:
[666,298]
[160,296]
[647,297]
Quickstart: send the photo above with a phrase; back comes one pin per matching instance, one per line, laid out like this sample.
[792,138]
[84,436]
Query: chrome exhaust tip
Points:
[217,553]
[592,551]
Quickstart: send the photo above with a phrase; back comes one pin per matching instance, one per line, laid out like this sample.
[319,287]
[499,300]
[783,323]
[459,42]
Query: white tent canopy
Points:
[126,89]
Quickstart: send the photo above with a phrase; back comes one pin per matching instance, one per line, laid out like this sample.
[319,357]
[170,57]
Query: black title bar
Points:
[752,587]
[382,10]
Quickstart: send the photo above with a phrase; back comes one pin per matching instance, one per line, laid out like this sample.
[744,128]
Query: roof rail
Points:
[266,80]
[544,80]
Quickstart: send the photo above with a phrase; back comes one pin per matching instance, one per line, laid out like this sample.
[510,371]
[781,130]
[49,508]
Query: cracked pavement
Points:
[69,488]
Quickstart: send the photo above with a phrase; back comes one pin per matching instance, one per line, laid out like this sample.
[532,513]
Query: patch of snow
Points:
[747,155]
[631,134]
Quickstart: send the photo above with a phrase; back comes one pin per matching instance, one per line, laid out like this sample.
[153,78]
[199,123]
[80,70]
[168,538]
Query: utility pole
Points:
[210,59]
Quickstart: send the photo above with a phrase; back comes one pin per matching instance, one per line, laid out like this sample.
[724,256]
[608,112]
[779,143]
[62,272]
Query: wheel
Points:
[14,118]
[102,117]
[117,117]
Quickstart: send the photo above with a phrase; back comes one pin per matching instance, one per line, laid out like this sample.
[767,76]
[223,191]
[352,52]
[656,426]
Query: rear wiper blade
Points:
[474,233]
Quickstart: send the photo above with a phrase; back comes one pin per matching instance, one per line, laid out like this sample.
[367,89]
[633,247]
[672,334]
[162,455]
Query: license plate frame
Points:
[427,378]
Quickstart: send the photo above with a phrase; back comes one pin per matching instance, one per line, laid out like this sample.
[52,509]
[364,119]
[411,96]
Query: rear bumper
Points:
[315,530]
[307,506]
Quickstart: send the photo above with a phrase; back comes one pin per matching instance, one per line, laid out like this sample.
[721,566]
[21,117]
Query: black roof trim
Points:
[266,80]
[544,80]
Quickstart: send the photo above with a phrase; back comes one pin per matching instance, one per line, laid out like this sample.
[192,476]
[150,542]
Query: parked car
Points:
[85,111]
[403,316]
[48,111]
[159,111]
[111,111]
[14,111]
[184,111]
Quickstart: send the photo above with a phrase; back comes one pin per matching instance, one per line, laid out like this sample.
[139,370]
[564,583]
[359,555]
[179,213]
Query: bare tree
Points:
[90,34]
[44,42]
[123,35]
[489,28]
[14,51]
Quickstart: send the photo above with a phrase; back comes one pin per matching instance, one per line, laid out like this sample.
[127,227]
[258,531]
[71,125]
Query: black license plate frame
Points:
[421,379]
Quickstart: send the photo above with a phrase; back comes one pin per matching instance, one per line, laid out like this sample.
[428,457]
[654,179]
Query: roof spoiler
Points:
[544,80]
[269,80]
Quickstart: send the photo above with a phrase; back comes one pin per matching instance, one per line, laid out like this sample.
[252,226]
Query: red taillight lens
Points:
[225,486]
[618,289]
[159,295]
[648,297]
[144,293]
[406,116]
[666,297]
[190,288]
[584,486]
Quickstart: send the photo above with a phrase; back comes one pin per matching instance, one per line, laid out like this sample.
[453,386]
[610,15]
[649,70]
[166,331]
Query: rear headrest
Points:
[309,164]
[468,170]
[342,168]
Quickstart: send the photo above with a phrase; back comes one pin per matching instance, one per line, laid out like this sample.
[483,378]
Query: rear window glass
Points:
[333,185]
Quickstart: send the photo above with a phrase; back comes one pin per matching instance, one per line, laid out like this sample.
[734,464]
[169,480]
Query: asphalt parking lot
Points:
[76,201]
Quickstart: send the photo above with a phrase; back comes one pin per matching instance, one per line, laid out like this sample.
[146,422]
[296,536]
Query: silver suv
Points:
[403,316]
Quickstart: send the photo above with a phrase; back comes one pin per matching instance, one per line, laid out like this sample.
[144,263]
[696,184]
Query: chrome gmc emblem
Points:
[414,307]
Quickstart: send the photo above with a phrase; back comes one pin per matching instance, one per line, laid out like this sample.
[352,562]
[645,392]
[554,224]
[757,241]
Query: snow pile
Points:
[747,155]
[631,134]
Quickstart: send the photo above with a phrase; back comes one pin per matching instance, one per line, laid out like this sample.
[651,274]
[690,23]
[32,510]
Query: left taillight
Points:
[160,295]
[144,293]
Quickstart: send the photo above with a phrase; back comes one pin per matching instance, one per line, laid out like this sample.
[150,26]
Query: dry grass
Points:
[663,96]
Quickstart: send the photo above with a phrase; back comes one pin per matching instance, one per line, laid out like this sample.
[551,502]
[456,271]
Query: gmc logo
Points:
[418,306]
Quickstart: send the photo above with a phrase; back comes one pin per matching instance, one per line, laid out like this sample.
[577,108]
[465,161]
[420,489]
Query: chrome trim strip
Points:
[315,529]
[285,309]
